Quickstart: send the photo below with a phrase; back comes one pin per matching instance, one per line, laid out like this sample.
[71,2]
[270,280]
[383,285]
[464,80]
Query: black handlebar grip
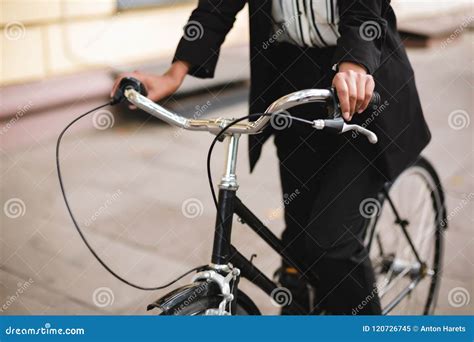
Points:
[375,100]
[126,83]
[334,110]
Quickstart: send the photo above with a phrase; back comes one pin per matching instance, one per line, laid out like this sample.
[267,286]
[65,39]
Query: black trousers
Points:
[324,178]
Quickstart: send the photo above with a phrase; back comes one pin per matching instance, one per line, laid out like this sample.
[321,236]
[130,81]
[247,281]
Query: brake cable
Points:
[232,123]
[76,224]
[79,230]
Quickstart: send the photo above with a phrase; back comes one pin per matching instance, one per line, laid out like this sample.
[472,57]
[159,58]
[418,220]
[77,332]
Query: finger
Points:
[369,92]
[155,90]
[343,94]
[361,80]
[115,86]
[155,95]
[352,86]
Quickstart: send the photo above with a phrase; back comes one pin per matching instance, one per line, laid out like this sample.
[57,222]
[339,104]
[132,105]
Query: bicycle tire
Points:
[245,306]
[425,168]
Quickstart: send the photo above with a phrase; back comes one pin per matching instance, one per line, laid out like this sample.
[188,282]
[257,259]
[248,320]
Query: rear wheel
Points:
[408,285]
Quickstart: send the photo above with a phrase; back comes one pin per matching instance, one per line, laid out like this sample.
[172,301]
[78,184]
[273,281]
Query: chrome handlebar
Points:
[210,125]
[252,127]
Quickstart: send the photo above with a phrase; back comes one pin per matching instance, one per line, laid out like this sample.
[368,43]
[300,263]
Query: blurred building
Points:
[45,38]
[41,39]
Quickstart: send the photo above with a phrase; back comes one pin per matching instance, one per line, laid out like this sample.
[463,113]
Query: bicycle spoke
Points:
[394,281]
[405,243]
[379,244]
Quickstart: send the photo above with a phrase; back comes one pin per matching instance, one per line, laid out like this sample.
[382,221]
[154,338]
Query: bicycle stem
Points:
[229,178]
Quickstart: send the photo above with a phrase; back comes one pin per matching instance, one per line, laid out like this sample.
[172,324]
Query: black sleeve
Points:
[362,30]
[204,34]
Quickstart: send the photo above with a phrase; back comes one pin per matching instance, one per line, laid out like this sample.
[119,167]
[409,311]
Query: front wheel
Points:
[244,306]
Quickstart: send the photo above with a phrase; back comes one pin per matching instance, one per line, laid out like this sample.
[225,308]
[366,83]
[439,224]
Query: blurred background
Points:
[138,187]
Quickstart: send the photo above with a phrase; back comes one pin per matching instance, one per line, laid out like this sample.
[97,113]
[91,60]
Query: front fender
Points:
[185,295]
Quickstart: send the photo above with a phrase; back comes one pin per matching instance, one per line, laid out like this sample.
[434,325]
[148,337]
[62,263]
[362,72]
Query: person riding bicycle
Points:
[353,46]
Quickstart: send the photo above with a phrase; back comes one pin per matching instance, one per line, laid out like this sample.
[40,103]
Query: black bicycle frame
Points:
[224,252]
[223,230]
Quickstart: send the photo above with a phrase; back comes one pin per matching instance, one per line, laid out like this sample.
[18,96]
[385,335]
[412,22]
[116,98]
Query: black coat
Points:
[400,126]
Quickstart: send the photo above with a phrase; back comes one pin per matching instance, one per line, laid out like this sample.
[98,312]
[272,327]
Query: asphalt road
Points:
[139,190]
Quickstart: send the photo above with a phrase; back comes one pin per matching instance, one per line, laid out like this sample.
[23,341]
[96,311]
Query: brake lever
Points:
[371,136]
[338,126]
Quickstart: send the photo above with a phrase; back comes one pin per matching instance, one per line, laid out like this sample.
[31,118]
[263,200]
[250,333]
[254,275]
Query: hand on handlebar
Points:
[157,86]
[132,90]
[354,88]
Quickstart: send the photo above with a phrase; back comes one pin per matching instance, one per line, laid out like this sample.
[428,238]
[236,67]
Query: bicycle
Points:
[406,274]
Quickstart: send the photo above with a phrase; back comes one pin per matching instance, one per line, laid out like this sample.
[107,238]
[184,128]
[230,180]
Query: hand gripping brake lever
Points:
[338,125]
